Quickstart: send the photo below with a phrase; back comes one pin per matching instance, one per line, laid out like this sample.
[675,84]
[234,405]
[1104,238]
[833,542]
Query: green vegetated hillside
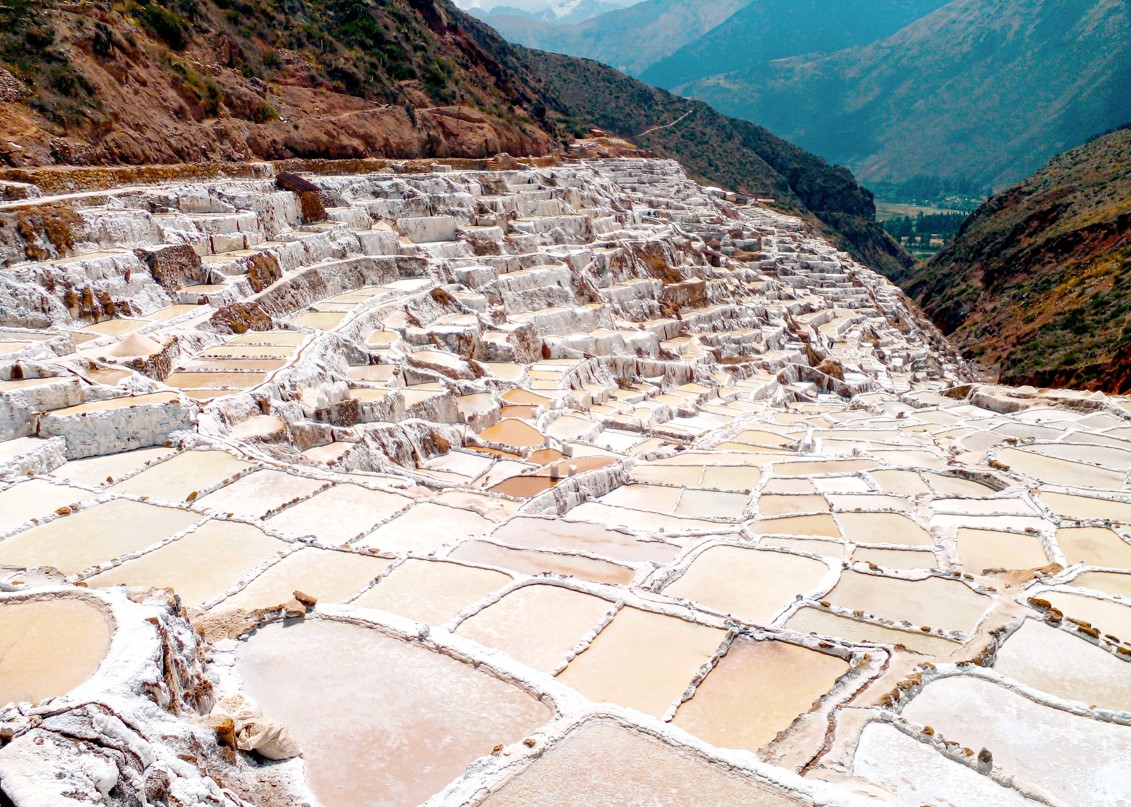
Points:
[983,89]
[135,82]
[720,150]
[765,30]
[629,39]
[1037,283]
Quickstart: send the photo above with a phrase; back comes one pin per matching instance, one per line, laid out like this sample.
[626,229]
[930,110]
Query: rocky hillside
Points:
[221,80]
[201,80]
[1038,282]
[1000,86]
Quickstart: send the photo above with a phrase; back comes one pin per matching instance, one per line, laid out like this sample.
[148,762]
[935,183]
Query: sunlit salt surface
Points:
[431,591]
[324,574]
[36,498]
[1067,666]
[896,558]
[425,528]
[535,533]
[98,471]
[1078,759]
[257,493]
[537,624]
[934,602]
[49,646]
[95,534]
[819,525]
[175,479]
[1086,507]
[826,623]
[981,550]
[918,774]
[752,584]
[200,566]
[532,562]
[1115,583]
[381,721]
[787,679]
[883,528]
[642,660]
[1094,546]
[339,514]
[1106,615]
[604,764]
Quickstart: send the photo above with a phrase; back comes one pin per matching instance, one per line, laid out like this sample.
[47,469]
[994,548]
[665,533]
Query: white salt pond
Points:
[380,721]
[537,624]
[49,646]
[1078,759]
[603,763]
[752,584]
[787,678]
[642,660]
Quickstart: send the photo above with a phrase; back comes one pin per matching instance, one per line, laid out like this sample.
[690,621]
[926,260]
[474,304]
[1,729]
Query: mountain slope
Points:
[720,150]
[1038,281]
[999,86]
[190,82]
[629,39]
[199,80]
[775,29]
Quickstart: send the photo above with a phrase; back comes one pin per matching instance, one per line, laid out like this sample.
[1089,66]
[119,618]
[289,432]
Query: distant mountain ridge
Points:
[564,12]
[765,30]
[1037,284]
[629,39]
[985,89]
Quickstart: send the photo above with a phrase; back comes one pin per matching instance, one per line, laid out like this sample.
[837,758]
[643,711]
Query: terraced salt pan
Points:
[255,494]
[770,506]
[98,471]
[982,550]
[826,623]
[818,525]
[1107,582]
[425,528]
[339,514]
[115,403]
[1090,755]
[1061,472]
[1094,546]
[538,624]
[325,574]
[918,774]
[1106,615]
[1066,666]
[934,602]
[49,646]
[34,498]
[94,535]
[751,584]
[814,546]
[603,763]
[531,562]
[883,528]
[642,660]
[788,679]
[903,483]
[1086,507]
[431,591]
[535,533]
[896,558]
[174,480]
[199,566]
[644,521]
[380,721]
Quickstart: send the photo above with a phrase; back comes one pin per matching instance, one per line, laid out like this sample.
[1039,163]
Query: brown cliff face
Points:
[1037,285]
[229,80]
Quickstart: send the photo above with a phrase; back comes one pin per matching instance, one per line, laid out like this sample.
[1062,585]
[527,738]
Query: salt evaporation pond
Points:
[49,646]
[605,764]
[382,722]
